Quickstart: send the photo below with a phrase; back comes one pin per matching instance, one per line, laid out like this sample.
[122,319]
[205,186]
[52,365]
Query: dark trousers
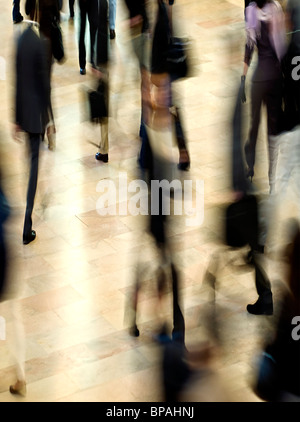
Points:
[16,10]
[34,147]
[71,7]
[270,94]
[102,36]
[88,9]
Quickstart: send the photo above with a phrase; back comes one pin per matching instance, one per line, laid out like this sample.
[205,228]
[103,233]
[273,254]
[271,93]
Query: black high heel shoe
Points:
[184,160]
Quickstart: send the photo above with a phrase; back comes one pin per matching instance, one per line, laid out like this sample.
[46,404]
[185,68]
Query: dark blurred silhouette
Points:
[243,216]
[138,23]
[265,28]
[158,164]
[291,96]
[162,39]
[8,289]
[101,70]
[32,106]
[279,371]
[88,10]
[48,11]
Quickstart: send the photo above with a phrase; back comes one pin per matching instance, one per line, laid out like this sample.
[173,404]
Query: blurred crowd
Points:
[272,31]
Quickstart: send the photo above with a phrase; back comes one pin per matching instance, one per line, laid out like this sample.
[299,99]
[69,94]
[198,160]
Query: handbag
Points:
[57,41]
[241,222]
[177,58]
[98,102]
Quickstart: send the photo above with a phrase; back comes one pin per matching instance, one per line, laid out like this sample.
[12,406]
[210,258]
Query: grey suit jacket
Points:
[32,82]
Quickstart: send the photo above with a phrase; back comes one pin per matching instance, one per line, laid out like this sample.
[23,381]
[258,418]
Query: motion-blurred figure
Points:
[163,34]
[286,189]
[159,131]
[32,106]
[291,67]
[159,165]
[139,32]
[244,216]
[265,29]
[48,11]
[88,10]
[279,371]
[102,74]
[7,293]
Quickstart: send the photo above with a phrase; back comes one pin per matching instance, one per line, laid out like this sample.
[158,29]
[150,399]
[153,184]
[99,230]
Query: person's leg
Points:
[102,35]
[18,349]
[82,50]
[103,147]
[34,144]
[178,319]
[112,11]
[257,92]
[16,15]
[264,304]
[92,12]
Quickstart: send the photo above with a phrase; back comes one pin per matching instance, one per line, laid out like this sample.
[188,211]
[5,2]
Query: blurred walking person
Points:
[88,10]
[265,29]
[32,105]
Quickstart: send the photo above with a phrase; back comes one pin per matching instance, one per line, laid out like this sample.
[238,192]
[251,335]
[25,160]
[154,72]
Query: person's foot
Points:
[18,388]
[82,71]
[134,331]
[184,160]
[102,157]
[261,307]
[112,34]
[29,238]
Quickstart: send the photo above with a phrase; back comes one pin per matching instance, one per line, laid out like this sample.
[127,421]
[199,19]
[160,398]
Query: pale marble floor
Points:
[72,283]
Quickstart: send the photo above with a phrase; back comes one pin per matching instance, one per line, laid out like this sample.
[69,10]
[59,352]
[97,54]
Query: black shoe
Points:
[102,157]
[261,307]
[134,331]
[112,34]
[30,238]
[82,71]
[18,19]
[184,166]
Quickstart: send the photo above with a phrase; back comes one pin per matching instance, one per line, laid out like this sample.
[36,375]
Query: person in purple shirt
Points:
[265,29]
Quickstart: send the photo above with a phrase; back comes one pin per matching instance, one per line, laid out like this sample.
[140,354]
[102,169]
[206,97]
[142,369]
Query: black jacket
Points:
[32,83]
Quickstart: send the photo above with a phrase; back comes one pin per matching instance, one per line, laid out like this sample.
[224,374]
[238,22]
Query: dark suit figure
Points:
[32,107]
[88,9]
